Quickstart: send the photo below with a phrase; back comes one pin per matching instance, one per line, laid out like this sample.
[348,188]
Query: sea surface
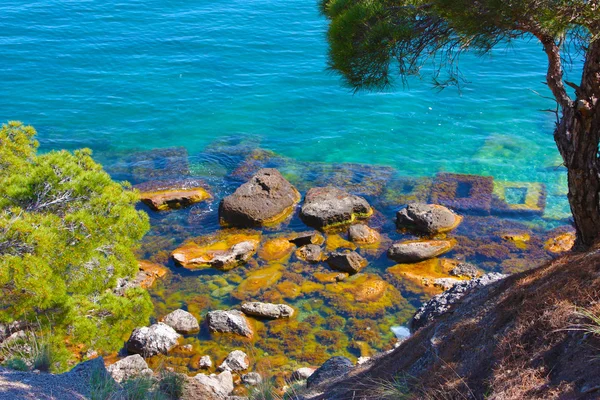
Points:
[209,82]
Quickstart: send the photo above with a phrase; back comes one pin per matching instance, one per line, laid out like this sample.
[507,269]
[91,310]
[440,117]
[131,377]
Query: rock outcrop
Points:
[182,321]
[325,207]
[441,303]
[232,321]
[419,250]
[334,368]
[427,218]
[267,310]
[266,199]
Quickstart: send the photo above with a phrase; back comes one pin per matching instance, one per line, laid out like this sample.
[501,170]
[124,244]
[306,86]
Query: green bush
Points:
[171,385]
[67,234]
[16,364]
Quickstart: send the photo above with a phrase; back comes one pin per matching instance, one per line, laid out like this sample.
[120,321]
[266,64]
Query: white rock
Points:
[236,361]
[129,367]
[221,385]
[182,321]
[149,341]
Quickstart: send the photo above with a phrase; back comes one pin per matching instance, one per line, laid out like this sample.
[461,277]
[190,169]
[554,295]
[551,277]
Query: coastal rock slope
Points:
[519,338]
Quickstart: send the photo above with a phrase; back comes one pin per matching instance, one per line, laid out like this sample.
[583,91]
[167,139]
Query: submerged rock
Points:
[221,254]
[267,310]
[307,238]
[362,234]
[172,194]
[221,385]
[129,367]
[419,250]
[232,321]
[428,218]
[182,321]
[148,273]
[350,262]
[153,340]
[333,368]
[441,303]
[267,198]
[236,361]
[311,253]
[328,206]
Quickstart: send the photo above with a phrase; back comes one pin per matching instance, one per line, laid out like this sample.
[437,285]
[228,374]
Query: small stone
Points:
[153,340]
[232,321]
[252,379]
[427,218]
[267,310]
[129,367]
[350,262]
[419,250]
[205,362]
[220,385]
[465,269]
[362,234]
[311,253]
[236,361]
[182,321]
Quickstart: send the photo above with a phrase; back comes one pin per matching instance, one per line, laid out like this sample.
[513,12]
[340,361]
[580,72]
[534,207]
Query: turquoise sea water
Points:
[155,73]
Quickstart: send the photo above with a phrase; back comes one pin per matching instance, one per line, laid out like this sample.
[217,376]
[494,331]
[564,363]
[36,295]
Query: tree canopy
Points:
[67,234]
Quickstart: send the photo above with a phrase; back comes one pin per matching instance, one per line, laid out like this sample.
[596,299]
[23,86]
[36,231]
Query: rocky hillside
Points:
[524,337]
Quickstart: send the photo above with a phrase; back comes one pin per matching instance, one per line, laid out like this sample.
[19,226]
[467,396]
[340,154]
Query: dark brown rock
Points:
[350,262]
[329,206]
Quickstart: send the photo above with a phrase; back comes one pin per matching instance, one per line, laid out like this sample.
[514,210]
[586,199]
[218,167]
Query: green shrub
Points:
[67,234]
[17,364]
[171,384]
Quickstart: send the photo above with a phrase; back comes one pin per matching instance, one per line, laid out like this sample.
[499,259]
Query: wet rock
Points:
[427,218]
[419,250]
[220,385]
[441,303]
[306,238]
[194,256]
[276,249]
[311,253]
[229,322]
[362,234]
[236,361]
[333,368]
[128,368]
[350,262]
[561,243]
[153,340]
[328,206]
[172,194]
[182,321]
[252,379]
[465,269]
[267,198]
[205,362]
[267,310]
[148,273]
[302,374]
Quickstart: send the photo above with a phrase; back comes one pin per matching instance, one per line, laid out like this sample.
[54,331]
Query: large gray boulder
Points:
[153,340]
[266,198]
[182,321]
[129,367]
[410,251]
[220,385]
[232,321]
[350,262]
[427,218]
[329,206]
[267,310]
[333,368]
[441,303]
[236,361]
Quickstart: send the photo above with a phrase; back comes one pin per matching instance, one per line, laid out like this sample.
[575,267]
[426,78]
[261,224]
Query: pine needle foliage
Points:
[67,234]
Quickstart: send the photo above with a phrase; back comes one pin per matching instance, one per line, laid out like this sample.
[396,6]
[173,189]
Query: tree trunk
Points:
[577,137]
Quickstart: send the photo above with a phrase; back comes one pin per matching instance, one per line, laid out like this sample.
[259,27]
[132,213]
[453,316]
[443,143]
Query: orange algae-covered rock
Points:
[330,277]
[222,251]
[276,249]
[172,194]
[561,243]
[363,234]
[422,276]
[258,281]
[149,272]
[289,290]
[335,242]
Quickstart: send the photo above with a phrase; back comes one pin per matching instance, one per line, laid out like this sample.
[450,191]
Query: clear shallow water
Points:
[140,75]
